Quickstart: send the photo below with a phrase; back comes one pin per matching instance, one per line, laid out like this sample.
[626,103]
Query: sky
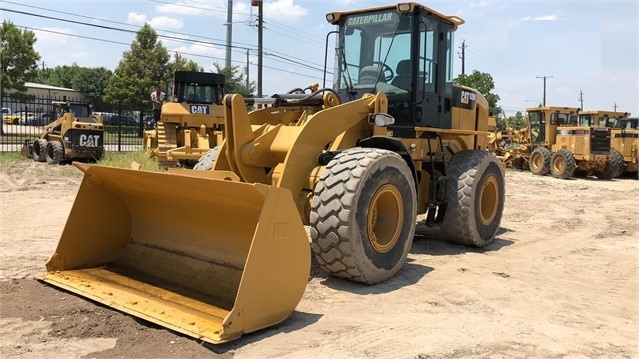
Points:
[585,49]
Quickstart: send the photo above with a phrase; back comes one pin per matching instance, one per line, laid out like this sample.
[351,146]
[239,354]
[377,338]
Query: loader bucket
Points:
[209,258]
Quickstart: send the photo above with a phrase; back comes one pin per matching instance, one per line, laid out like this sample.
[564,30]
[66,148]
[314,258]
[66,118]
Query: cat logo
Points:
[200,109]
[89,140]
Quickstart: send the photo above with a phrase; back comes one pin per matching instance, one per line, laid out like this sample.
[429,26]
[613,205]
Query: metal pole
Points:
[259,49]
[229,33]
[247,68]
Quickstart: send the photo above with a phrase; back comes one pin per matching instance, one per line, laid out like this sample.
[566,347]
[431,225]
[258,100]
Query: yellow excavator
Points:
[218,253]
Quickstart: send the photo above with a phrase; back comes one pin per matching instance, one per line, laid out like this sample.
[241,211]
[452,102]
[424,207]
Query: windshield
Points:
[79,110]
[373,45]
[196,93]
[536,121]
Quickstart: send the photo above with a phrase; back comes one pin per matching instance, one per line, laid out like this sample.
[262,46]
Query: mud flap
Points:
[210,258]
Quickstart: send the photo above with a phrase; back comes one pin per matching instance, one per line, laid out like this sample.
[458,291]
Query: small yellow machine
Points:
[224,252]
[77,134]
[191,120]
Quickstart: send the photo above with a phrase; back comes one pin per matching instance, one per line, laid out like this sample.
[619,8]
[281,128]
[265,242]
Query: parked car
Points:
[14,119]
[37,119]
[149,123]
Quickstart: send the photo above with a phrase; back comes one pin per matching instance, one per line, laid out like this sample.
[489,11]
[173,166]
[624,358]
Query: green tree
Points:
[18,60]
[180,63]
[141,68]
[484,83]
[91,82]
[235,82]
[518,121]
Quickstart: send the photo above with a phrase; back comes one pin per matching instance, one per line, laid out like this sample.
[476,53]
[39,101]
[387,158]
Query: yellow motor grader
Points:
[191,121]
[557,143]
[623,136]
[225,252]
[76,135]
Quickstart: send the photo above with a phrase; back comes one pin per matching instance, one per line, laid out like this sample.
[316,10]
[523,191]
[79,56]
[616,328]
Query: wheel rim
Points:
[489,200]
[385,215]
[559,164]
[536,161]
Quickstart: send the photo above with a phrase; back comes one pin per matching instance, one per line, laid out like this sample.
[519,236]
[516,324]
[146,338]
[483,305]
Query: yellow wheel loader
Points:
[225,252]
[191,119]
[76,135]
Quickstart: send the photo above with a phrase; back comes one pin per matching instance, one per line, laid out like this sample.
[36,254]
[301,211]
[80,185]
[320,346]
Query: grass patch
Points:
[10,157]
[124,159]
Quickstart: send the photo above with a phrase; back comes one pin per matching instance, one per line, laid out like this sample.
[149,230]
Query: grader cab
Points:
[225,252]
[621,138]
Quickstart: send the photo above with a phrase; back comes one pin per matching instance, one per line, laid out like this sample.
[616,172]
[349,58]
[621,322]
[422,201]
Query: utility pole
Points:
[247,68]
[260,24]
[581,99]
[229,33]
[615,106]
[544,77]
[462,55]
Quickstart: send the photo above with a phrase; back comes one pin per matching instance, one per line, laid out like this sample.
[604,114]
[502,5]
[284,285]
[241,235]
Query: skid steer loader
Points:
[224,252]
[76,135]
[191,119]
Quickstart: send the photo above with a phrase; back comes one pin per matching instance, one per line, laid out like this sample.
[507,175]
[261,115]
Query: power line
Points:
[179,52]
[252,47]
[209,44]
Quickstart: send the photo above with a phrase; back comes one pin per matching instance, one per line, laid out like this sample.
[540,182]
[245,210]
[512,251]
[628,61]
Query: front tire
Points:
[540,161]
[614,167]
[475,198]
[54,153]
[562,164]
[363,215]
[39,150]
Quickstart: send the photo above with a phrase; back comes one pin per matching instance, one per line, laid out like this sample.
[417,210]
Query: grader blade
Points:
[209,258]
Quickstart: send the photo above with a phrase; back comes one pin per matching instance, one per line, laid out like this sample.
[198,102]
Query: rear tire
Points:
[475,198]
[363,215]
[614,167]
[206,162]
[54,153]
[39,150]
[562,164]
[540,161]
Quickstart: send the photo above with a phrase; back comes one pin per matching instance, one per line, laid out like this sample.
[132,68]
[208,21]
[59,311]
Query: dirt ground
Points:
[559,281]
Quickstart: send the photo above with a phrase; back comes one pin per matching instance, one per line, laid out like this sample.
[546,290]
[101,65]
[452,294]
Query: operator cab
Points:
[197,87]
[405,51]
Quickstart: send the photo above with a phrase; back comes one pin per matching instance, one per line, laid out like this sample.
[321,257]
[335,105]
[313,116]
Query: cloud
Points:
[542,18]
[284,10]
[480,4]
[159,22]
[136,19]
[53,35]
